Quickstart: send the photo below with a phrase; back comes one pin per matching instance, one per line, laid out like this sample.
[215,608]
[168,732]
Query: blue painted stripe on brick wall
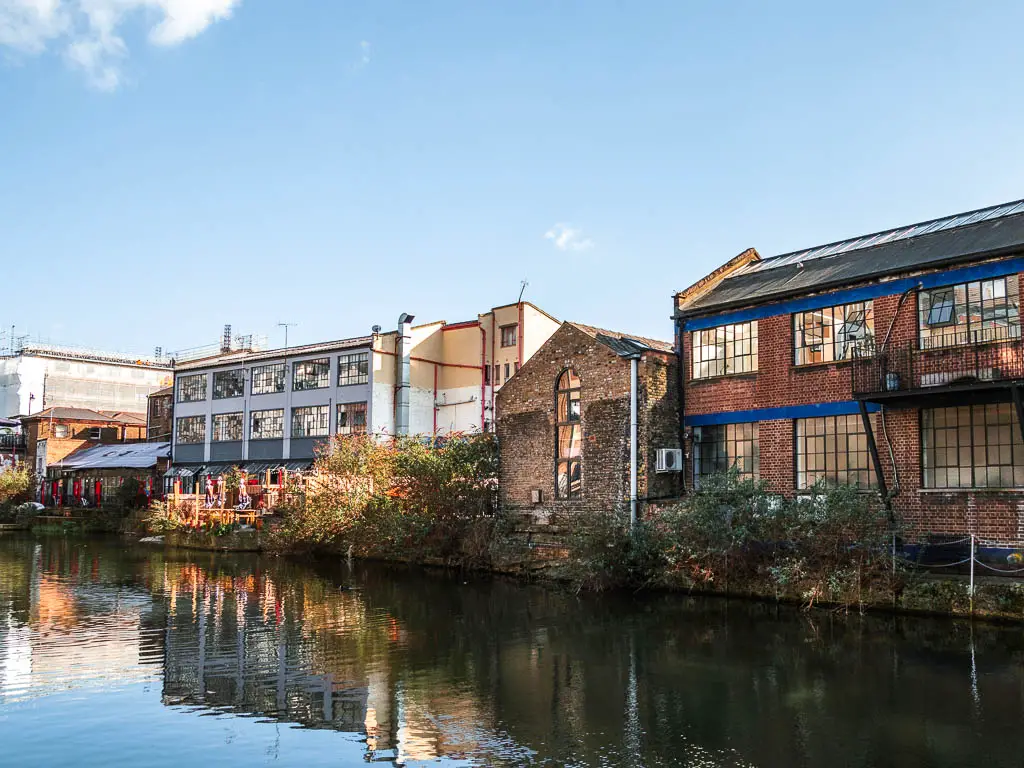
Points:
[888,288]
[841,408]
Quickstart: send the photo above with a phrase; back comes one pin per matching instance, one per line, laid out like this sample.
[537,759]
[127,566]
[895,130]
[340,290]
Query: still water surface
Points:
[112,655]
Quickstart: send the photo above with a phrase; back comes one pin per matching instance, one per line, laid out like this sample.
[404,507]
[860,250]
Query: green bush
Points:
[830,545]
[410,497]
[606,552]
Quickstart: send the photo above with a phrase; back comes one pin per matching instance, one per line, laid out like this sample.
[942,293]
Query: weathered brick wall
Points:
[995,515]
[526,419]
[658,425]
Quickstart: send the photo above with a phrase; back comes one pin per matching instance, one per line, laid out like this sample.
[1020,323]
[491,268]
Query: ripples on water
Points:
[112,655]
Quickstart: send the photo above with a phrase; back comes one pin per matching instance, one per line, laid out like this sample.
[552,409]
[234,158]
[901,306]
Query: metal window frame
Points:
[271,373]
[568,461]
[361,361]
[238,374]
[322,414]
[350,429]
[187,393]
[322,376]
[196,436]
[279,418]
[238,417]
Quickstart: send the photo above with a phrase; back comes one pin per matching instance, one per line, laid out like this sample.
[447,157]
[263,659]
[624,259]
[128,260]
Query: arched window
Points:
[568,436]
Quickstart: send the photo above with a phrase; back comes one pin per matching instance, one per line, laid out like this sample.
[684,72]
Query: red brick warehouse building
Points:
[892,361]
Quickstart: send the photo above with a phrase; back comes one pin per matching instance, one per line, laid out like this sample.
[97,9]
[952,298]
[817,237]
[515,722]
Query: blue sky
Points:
[334,164]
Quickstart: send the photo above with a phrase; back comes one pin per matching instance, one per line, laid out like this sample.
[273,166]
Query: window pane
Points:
[311,374]
[228,384]
[227,427]
[969,446]
[268,379]
[311,421]
[724,350]
[354,369]
[832,448]
[192,388]
[351,418]
[267,425]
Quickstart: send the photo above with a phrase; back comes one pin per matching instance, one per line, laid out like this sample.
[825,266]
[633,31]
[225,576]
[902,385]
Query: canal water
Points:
[118,655]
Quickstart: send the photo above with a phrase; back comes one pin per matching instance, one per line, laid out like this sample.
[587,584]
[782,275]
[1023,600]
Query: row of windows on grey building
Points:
[971,446]
[953,315]
[307,421]
[270,379]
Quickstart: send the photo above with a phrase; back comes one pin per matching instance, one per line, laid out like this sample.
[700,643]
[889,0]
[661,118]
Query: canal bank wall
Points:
[547,561]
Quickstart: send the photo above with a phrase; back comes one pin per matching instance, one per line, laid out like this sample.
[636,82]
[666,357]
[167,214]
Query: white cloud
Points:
[87,31]
[27,25]
[568,238]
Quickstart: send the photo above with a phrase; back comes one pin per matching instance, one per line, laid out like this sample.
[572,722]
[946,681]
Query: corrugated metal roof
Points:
[999,230]
[121,456]
[270,354]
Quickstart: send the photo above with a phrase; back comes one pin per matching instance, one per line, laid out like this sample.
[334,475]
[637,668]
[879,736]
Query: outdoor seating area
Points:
[227,494]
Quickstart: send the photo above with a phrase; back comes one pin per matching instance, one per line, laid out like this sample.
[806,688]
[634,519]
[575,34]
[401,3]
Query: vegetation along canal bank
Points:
[435,503]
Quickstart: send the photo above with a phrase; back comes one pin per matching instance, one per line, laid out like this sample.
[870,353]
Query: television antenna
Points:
[286,326]
[522,290]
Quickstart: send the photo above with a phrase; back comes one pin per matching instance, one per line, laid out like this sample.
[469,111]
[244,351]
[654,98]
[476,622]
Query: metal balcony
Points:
[12,443]
[977,372]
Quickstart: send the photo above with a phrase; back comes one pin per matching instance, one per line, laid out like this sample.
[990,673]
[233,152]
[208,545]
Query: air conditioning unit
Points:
[535,496]
[669,460]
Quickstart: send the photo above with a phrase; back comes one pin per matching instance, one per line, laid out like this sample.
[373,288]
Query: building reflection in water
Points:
[417,667]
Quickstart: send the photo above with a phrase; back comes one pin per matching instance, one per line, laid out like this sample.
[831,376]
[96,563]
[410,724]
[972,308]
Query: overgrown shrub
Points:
[606,552]
[409,497]
[830,545]
[14,485]
[159,519]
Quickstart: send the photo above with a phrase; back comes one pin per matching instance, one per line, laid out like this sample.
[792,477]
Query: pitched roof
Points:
[166,391]
[118,456]
[986,232]
[126,417]
[70,414]
[623,344]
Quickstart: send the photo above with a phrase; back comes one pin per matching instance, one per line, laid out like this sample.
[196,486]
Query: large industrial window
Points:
[311,374]
[725,446]
[228,384]
[724,350]
[969,313]
[311,421]
[227,427]
[509,335]
[192,389]
[266,425]
[568,436]
[832,448]
[973,446]
[192,429]
[834,333]
[351,418]
[354,369]
[268,379]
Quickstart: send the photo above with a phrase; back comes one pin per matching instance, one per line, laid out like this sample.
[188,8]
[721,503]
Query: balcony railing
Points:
[11,443]
[906,368]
